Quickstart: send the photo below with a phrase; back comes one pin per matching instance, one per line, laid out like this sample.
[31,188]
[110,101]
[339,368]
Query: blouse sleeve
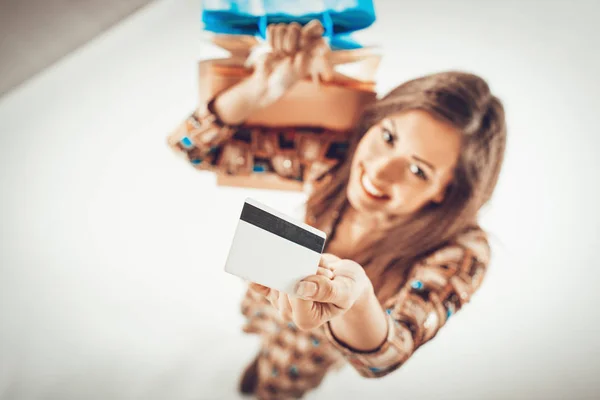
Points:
[294,153]
[437,288]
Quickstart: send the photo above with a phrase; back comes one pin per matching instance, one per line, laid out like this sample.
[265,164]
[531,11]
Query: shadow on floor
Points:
[34,34]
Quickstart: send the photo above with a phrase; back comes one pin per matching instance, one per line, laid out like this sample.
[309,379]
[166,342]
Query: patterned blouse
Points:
[438,286]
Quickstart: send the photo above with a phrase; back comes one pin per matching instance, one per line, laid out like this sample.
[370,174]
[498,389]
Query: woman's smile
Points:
[370,189]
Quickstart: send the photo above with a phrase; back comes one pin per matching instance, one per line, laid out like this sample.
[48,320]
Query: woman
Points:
[404,251]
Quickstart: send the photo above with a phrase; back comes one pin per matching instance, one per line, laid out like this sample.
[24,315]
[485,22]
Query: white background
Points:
[112,248]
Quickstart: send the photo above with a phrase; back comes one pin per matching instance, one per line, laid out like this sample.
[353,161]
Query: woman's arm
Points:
[377,343]
[235,105]
[214,137]
[364,327]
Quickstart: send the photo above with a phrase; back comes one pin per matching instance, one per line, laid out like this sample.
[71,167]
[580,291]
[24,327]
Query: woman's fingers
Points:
[327,260]
[284,307]
[292,37]
[312,311]
[314,75]
[275,33]
[281,303]
[319,288]
[323,67]
[312,30]
[271,36]
[303,46]
[273,297]
[278,300]
[269,294]
[263,290]
[278,41]
[288,38]
[302,62]
[340,292]
[325,272]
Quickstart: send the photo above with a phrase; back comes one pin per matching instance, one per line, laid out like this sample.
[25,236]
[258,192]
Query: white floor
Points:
[111,248]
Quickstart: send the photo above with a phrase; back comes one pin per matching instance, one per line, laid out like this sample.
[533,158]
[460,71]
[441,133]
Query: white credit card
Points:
[273,249]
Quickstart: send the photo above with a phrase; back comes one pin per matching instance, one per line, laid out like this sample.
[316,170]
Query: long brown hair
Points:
[462,99]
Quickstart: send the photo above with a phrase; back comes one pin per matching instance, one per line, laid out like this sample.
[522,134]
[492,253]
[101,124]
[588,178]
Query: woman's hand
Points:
[335,289]
[295,52]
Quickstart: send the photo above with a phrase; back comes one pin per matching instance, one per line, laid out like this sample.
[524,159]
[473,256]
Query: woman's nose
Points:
[388,169]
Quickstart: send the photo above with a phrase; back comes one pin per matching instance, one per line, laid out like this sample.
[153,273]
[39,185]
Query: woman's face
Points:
[402,164]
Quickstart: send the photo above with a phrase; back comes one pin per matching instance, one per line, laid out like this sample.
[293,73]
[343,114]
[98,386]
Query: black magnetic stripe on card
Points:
[282,228]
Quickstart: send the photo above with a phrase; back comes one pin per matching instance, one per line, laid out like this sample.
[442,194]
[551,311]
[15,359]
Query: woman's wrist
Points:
[235,105]
[365,303]
[364,326]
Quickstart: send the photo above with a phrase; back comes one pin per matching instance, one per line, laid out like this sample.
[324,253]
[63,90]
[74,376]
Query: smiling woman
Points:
[426,158]
[400,210]
[403,163]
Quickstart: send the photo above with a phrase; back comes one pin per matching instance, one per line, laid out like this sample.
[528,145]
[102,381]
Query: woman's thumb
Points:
[318,288]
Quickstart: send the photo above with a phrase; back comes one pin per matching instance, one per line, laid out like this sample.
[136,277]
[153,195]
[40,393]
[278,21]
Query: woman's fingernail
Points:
[306,289]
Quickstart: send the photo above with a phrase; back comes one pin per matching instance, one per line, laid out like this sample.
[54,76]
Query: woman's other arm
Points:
[436,290]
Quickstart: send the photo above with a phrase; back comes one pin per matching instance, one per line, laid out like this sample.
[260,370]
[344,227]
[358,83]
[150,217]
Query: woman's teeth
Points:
[370,188]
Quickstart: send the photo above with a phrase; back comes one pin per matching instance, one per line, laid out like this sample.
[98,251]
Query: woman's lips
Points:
[370,188]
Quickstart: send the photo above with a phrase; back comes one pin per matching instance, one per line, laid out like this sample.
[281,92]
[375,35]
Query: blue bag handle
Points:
[237,17]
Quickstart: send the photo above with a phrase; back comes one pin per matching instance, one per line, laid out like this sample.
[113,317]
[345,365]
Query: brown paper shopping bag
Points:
[335,105]
[302,135]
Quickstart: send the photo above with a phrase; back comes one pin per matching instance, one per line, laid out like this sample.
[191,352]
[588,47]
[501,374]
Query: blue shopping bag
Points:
[340,18]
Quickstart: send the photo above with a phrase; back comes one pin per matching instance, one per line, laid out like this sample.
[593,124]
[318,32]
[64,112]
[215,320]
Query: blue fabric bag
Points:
[340,18]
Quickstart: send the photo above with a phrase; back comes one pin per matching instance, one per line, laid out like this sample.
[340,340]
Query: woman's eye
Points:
[387,136]
[414,168]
